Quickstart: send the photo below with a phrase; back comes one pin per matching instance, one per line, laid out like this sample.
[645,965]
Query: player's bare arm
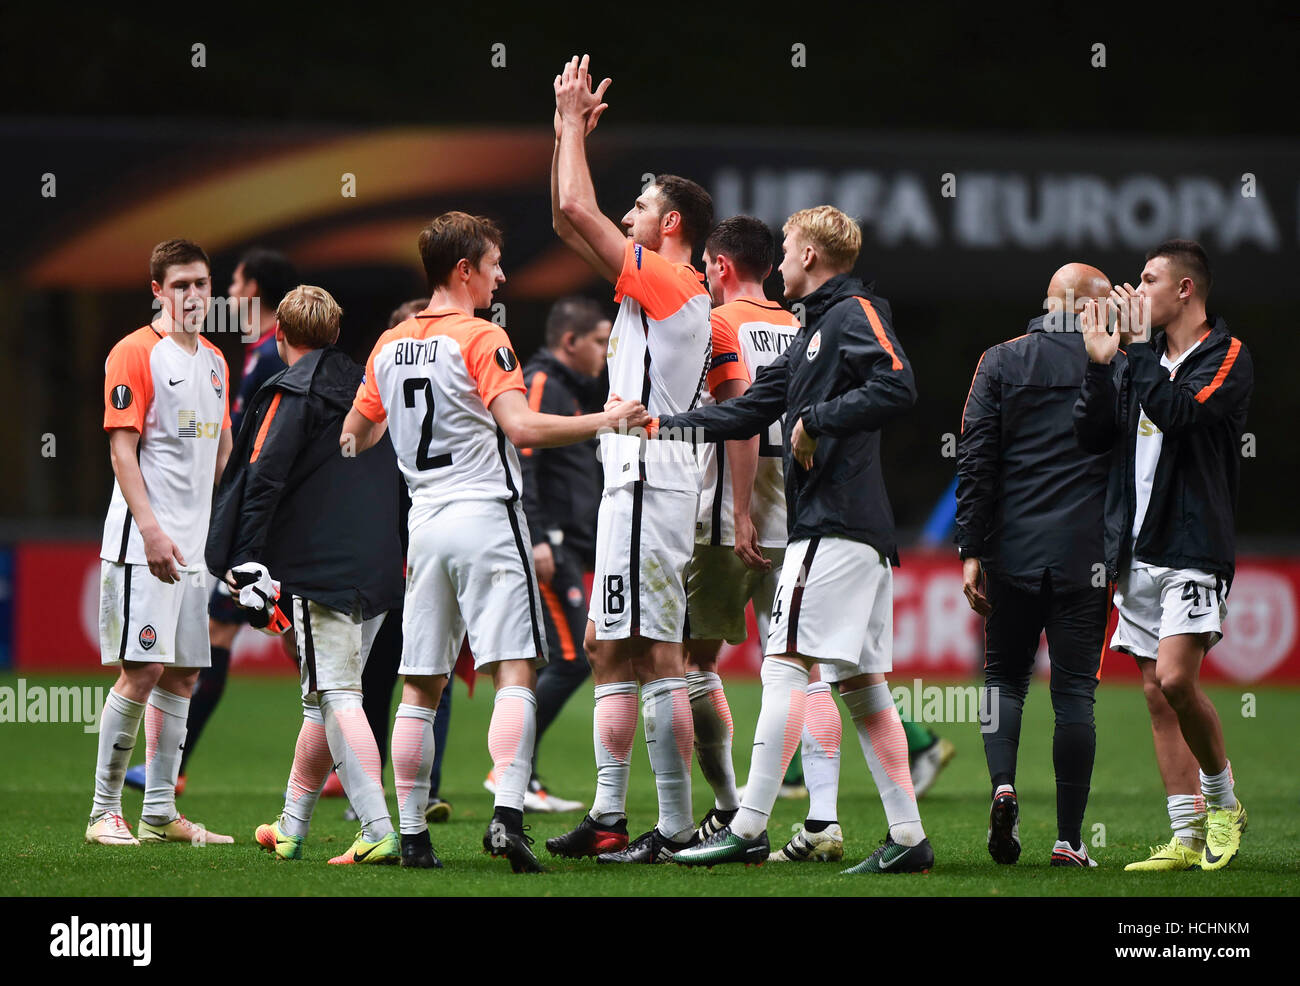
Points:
[563,228]
[360,433]
[575,103]
[224,444]
[159,550]
[742,460]
[527,428]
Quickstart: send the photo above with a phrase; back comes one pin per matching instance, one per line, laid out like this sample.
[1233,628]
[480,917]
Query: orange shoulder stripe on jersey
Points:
[879,330]
[266,426]
[1225,368]
[971,391]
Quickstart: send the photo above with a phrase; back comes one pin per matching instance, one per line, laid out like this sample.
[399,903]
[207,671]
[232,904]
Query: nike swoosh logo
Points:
[124,749]
[173,383]
[359,856]
[886,865]
[1211,857]
[608,624]
[1197,616]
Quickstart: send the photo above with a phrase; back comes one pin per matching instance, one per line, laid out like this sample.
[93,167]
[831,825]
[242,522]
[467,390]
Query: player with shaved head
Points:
[1029,532]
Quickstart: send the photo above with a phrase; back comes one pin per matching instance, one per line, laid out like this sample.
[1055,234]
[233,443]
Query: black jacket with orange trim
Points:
[1030,501]
[562,485]
[846,375]
[1201,411]
[326,525]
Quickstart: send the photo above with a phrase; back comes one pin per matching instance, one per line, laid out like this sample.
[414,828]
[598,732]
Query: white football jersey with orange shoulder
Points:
[748,334]
[433,378]
[658,355]
[178,403]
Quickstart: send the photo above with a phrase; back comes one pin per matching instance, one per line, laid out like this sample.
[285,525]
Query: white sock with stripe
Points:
[119,725]
[713,734]
[412,753]
[307,775]
[356,759]
[884,743]
[780,725]
[511,734]
[613,731]
[822,734]
[165,720]
[669,737]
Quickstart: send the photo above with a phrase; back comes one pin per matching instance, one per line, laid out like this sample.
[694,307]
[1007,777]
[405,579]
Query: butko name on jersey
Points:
[658,355]
[433,378]
[177,402]
[748,334]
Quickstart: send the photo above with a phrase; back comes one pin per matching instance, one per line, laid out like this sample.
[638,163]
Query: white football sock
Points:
[165,719]
[884,743]
[356,760]
[511,734]
[1187,819]
[713,733]
[1218,790]
[310,769]
[613,730]
[669,737]
[780,726]
[412,751]
[823,732]
[119,724]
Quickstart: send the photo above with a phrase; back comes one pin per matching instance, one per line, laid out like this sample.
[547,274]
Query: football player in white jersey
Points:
[740,530]
[448,387]
[168,427]
[658,352]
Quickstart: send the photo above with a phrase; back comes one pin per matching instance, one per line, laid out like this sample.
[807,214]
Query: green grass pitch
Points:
[238,775]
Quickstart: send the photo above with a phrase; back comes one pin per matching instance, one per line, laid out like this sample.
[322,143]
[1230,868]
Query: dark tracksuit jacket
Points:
[1189,521]
[562,486]
[1030,506]
[1029,500]
[324,524]
[562,489]
[845,374]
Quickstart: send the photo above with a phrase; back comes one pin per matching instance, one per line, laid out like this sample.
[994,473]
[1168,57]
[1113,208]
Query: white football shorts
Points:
[142,618]
[1160,602]
[469,568]
[644,539]
[332,646]
[835,604]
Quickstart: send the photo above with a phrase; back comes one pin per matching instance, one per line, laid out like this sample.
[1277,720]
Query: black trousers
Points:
[564,610]
[1075,623]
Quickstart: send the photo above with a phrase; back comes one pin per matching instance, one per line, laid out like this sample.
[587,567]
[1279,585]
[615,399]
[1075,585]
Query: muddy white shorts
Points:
[644,540]
[142,618]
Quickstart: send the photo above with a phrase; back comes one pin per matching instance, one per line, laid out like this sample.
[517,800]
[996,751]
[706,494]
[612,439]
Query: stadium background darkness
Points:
[957,80]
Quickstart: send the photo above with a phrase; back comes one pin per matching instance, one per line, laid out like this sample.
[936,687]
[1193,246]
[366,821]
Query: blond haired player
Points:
[448,387]
[842,378]
[658,352]
[169,437]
